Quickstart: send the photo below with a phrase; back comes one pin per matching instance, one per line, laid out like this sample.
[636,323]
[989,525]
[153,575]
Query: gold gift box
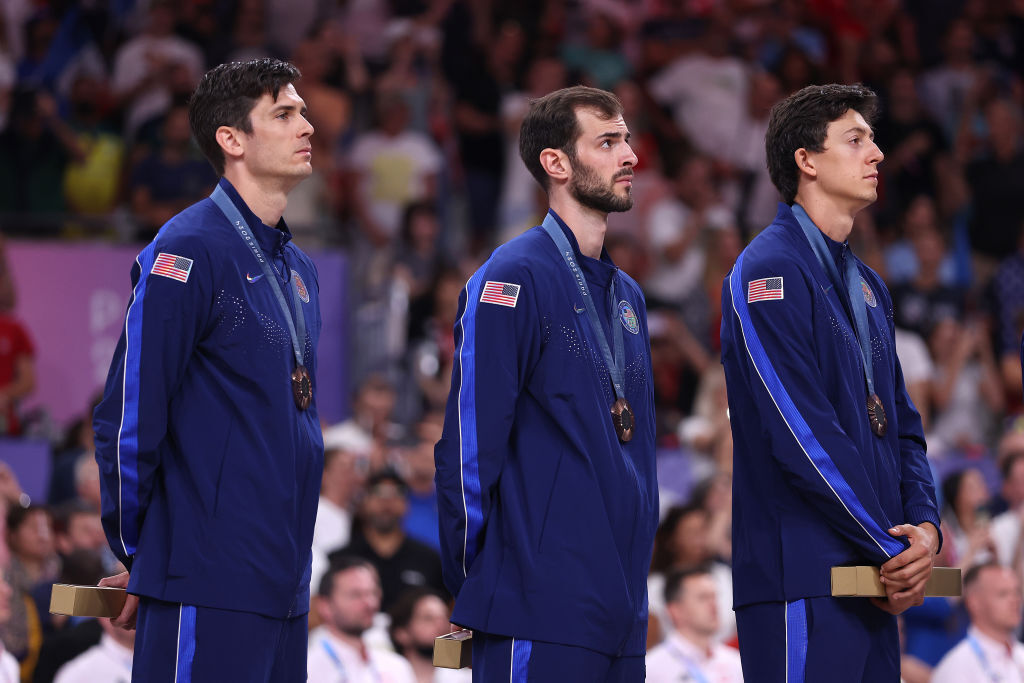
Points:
[864,582]
[454,650]
[87,601]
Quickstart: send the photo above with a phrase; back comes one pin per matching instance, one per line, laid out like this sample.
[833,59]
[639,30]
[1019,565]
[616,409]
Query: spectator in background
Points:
[87,480]
[966,499]
[1007,529]
[147,67]
[918,371]
[33,561]
[421,522]
[967,396]
[389,167]
[35,149]
[946,86]
[432,339]
[991,651]
[92,184]
[108,662]
[682,541]
[171,178]
[418,617]
[401,562]
[419,256]
[372,417]
[599,57]
[17,354]
[691,651]
[1008,294]
[8,664]
[348,598]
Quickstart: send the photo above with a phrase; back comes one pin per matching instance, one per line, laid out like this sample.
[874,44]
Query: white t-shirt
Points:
[9,670]
[1005,533]
[333,527]
[332,661]
[132,65]
[980,658]
[668,221]
[107,662]
[392,171]
[678,660]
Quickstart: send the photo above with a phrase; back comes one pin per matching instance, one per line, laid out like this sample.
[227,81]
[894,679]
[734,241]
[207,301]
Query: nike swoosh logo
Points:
[578,310]
[825,289]
[250,278]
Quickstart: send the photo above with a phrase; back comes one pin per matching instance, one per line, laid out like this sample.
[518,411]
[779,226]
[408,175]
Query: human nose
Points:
[631,158]
[876,156]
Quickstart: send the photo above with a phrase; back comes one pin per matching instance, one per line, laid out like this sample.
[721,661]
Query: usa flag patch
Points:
[764,289]
[174,267]
[501,293]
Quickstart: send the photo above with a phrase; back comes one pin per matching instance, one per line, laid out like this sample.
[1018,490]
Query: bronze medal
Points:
[302,387]
[623,419]
[876,415]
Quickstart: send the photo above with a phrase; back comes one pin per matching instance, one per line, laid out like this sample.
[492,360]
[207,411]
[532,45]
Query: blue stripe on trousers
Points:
[186,644]
[520,660]
[796,641]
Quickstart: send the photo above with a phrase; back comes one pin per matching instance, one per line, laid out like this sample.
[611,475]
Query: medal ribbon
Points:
[221,199]
[616,364]
[853,289]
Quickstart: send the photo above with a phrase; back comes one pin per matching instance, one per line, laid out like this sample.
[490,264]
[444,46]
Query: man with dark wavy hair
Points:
[547,492]
[829,454]
[207,437]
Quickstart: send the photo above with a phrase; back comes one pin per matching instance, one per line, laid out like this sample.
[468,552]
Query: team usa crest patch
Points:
[627,316]
[500,293]
[300,287]
[765,289]
[869,296]
[172,266]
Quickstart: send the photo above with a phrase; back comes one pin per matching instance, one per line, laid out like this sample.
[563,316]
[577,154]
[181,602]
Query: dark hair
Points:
[402,610]
[226,96]
[19,514]
[801,120]
[664,557]
[68,510]
[974,573]
[387,474]
[1008,462]
[552,123]
[676,578]
[342,563]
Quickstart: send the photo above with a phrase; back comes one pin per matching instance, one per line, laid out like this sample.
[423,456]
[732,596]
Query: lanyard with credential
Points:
[690,665]
[855,295]
[340,665]
[615,363]
[234,216]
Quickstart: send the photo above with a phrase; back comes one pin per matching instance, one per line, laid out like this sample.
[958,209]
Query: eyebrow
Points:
[613,135]
[861,130]
[287,107]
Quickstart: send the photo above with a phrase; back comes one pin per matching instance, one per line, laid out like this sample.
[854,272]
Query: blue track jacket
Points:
[813,487]
[209,472]
[547,521]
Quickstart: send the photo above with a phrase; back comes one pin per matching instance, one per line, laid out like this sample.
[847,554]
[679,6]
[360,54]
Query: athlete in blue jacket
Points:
[208,438]
[546,483]
[829,455]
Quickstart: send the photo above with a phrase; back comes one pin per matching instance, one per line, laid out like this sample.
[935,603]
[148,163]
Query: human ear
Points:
[555,163]
[230,141]
[805,162]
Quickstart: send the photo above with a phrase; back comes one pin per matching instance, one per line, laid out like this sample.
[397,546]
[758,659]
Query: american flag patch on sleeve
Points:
[764,289]
[174,267]
[501,293]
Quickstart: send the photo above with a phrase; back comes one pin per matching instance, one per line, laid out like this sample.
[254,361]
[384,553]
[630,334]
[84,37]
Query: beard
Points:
[589,190]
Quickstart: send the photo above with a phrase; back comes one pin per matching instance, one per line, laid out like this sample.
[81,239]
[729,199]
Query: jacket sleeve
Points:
[162,325]
[917,484]
[496,344]
[776,342]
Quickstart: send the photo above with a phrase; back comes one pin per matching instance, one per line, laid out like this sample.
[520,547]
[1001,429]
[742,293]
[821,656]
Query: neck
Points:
[353,641]
[422,668]
[266,200]
[1001,636]
[587,225]
[831,216]
[699,640]
[384,543]
[335,496]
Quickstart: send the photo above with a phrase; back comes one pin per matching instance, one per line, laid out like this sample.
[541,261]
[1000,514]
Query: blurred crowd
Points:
[417,176]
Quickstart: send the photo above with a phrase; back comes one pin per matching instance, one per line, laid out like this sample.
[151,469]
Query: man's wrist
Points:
[934,532]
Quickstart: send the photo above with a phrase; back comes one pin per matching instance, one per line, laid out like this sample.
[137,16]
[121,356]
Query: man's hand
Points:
[125,620]
[905,575]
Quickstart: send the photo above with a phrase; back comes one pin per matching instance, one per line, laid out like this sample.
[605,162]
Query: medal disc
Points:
[302,387]
[876,415]
[623,419]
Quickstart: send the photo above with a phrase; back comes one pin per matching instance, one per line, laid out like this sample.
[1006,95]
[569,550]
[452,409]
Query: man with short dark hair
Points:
[347,601]
[690,653]
[991,651]
[208,438]
[829,454]
[547,492]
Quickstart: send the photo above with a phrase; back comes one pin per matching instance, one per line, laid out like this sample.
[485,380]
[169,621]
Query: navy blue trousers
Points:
[839,640]
[188,644]
[512,660]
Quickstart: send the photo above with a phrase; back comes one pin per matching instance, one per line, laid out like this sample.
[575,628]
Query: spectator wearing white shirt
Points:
[108,662]
[1007,530]
[348,600]
[8,664]
[691,653]
[990,652]
[418,617]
